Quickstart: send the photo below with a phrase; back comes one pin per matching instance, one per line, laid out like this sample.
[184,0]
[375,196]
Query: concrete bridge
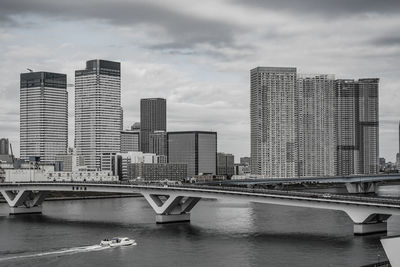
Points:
[353,183]
[174,203]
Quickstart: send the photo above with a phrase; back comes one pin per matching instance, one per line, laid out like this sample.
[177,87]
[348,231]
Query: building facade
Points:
[157,171]
[357,126]
[158,143]
[196,149]
[153,117]
[272,119]
[245,160]
[316,133]
[368,103]
[98,110]
[4,145]
[130,141]
[71,162]
[43,115]
[225,164]
[118,163]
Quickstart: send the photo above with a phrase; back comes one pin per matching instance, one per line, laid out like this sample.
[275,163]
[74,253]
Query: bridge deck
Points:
[188,189]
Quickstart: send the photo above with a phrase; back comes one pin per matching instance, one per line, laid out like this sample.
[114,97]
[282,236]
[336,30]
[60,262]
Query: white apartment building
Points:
[97,111]
[273,123]
[316,125]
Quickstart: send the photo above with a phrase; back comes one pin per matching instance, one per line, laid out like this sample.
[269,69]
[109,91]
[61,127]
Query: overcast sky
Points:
[197,54]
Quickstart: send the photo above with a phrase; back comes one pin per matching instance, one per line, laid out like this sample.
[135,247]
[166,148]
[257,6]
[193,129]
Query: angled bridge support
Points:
[366,223]
[172,207]
[24,201]
[361,187]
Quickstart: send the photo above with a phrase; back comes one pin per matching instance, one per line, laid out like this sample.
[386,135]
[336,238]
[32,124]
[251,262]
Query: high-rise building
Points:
[225,164]
[4,145]
[43,115]
[273,123]
[122,119]
[153,117]
[357,126]
[97,110]
[312,125]
[347,118]
[197,149]
[158,143]
[130,141]
[316,125]
[368,125]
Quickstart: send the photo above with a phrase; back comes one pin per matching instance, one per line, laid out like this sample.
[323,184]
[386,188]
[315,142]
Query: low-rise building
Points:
[207,177]
[70,162]
[4,145]
[35,172]
[157,171]
[241,169]
[118,163]
[225,164]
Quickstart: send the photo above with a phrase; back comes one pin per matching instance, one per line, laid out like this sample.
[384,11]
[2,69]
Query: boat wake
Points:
[60,252]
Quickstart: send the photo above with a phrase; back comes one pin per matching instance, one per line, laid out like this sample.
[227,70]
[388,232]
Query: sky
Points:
[198,54]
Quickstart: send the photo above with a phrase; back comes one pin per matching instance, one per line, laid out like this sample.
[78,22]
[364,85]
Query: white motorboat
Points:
[117,242]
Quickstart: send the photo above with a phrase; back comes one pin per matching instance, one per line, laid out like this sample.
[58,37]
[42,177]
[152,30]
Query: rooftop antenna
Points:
[30,70]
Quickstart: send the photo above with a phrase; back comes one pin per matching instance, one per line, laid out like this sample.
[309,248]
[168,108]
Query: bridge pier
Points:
[24,210]
[24,201]
[171,208]
[370,228]
[361,187]
[366,223]
[172,218]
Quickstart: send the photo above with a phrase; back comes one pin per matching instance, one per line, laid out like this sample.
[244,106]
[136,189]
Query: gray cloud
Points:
[330,8]
[390,40]
[185,30]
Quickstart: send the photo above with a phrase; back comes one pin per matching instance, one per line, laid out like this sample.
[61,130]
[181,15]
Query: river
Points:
[220,234]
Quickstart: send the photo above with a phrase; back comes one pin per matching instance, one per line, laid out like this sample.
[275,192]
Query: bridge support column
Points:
[368,187]
[171,218]
[171,208]
[370,228]
[24,201]
[366,223]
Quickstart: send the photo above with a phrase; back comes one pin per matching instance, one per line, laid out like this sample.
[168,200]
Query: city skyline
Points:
[199,59]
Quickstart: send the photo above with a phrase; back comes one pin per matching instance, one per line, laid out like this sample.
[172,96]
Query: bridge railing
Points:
[275,192]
